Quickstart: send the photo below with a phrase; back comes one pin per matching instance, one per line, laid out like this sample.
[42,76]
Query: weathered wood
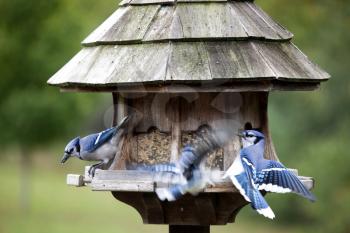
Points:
[141,181]
[254,25]
[148,21]
[154,209]
[209,21]
[75,180]
[175,130]
[129,25]
[280,30]
[145,2]
[202,1]
[205,208]
[188,61]
[202,87]
[124,2]
[115,108]
[289,63]
[228,206]
[236,60]
[188,229]
[128,65]
[166,25]
[99,32]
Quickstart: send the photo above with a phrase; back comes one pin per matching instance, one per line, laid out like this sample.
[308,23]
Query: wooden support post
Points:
[120,111]
[175,132]
[120,108]
[188,229]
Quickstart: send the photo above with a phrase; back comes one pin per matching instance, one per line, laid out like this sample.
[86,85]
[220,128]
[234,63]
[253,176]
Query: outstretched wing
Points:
[252,194]
[161,167]
[201,177]
[277,178]
[245,183]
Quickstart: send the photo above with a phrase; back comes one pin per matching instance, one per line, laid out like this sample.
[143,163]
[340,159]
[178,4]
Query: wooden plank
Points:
[145,2]
[122,64]
[124,2]
[211,20]
[101,30]
[227,206]
[77,68]
[279,61]
[289,63]
[175,130]
[141,181]
[152,109]
[205,208]
[141,63]
[75,180]
[154,209]
[121,186]
[202,1]
[240,86]
[188,61]
[188,229]
[252,23]
[166,25]
[130,24]
[311,69]
[229,60]
[279,29]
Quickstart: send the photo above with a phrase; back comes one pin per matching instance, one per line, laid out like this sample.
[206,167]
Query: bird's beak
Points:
[65,158]
[241,135]
[124,122]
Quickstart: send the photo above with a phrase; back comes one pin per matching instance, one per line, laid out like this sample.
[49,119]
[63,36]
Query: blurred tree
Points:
[37,37]
[311,129]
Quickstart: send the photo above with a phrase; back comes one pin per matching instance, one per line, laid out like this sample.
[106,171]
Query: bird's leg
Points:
[94,167]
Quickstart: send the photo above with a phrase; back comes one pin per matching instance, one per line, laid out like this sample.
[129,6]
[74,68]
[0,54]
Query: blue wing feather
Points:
[278,175]
[257,200]
[162,167]
[91,142]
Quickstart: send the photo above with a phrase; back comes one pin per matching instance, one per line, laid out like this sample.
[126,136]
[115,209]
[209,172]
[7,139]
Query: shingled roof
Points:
[161,42]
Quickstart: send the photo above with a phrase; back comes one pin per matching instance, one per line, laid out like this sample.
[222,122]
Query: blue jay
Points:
[188,174]
[96,147]
[252,173]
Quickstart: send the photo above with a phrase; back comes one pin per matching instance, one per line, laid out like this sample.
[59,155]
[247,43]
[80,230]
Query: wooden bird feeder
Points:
[185,66]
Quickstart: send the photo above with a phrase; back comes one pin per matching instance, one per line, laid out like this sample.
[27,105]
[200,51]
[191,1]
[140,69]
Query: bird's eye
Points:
[71,151]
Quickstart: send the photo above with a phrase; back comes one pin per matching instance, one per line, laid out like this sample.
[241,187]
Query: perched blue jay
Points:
[96,147]
[252,173]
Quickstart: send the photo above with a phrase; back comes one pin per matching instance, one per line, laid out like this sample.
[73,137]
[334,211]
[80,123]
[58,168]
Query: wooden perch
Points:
[143,181]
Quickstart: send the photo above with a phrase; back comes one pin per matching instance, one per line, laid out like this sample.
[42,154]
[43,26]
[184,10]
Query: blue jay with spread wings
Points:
[252,173]
[100,147]
[188,174]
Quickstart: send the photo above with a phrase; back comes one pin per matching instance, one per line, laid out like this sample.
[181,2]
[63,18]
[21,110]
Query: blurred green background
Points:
[310,129]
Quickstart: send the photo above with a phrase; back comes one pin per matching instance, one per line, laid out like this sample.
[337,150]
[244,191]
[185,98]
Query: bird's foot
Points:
[93,168]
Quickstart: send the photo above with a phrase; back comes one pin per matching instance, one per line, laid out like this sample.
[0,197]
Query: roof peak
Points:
[234,20]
